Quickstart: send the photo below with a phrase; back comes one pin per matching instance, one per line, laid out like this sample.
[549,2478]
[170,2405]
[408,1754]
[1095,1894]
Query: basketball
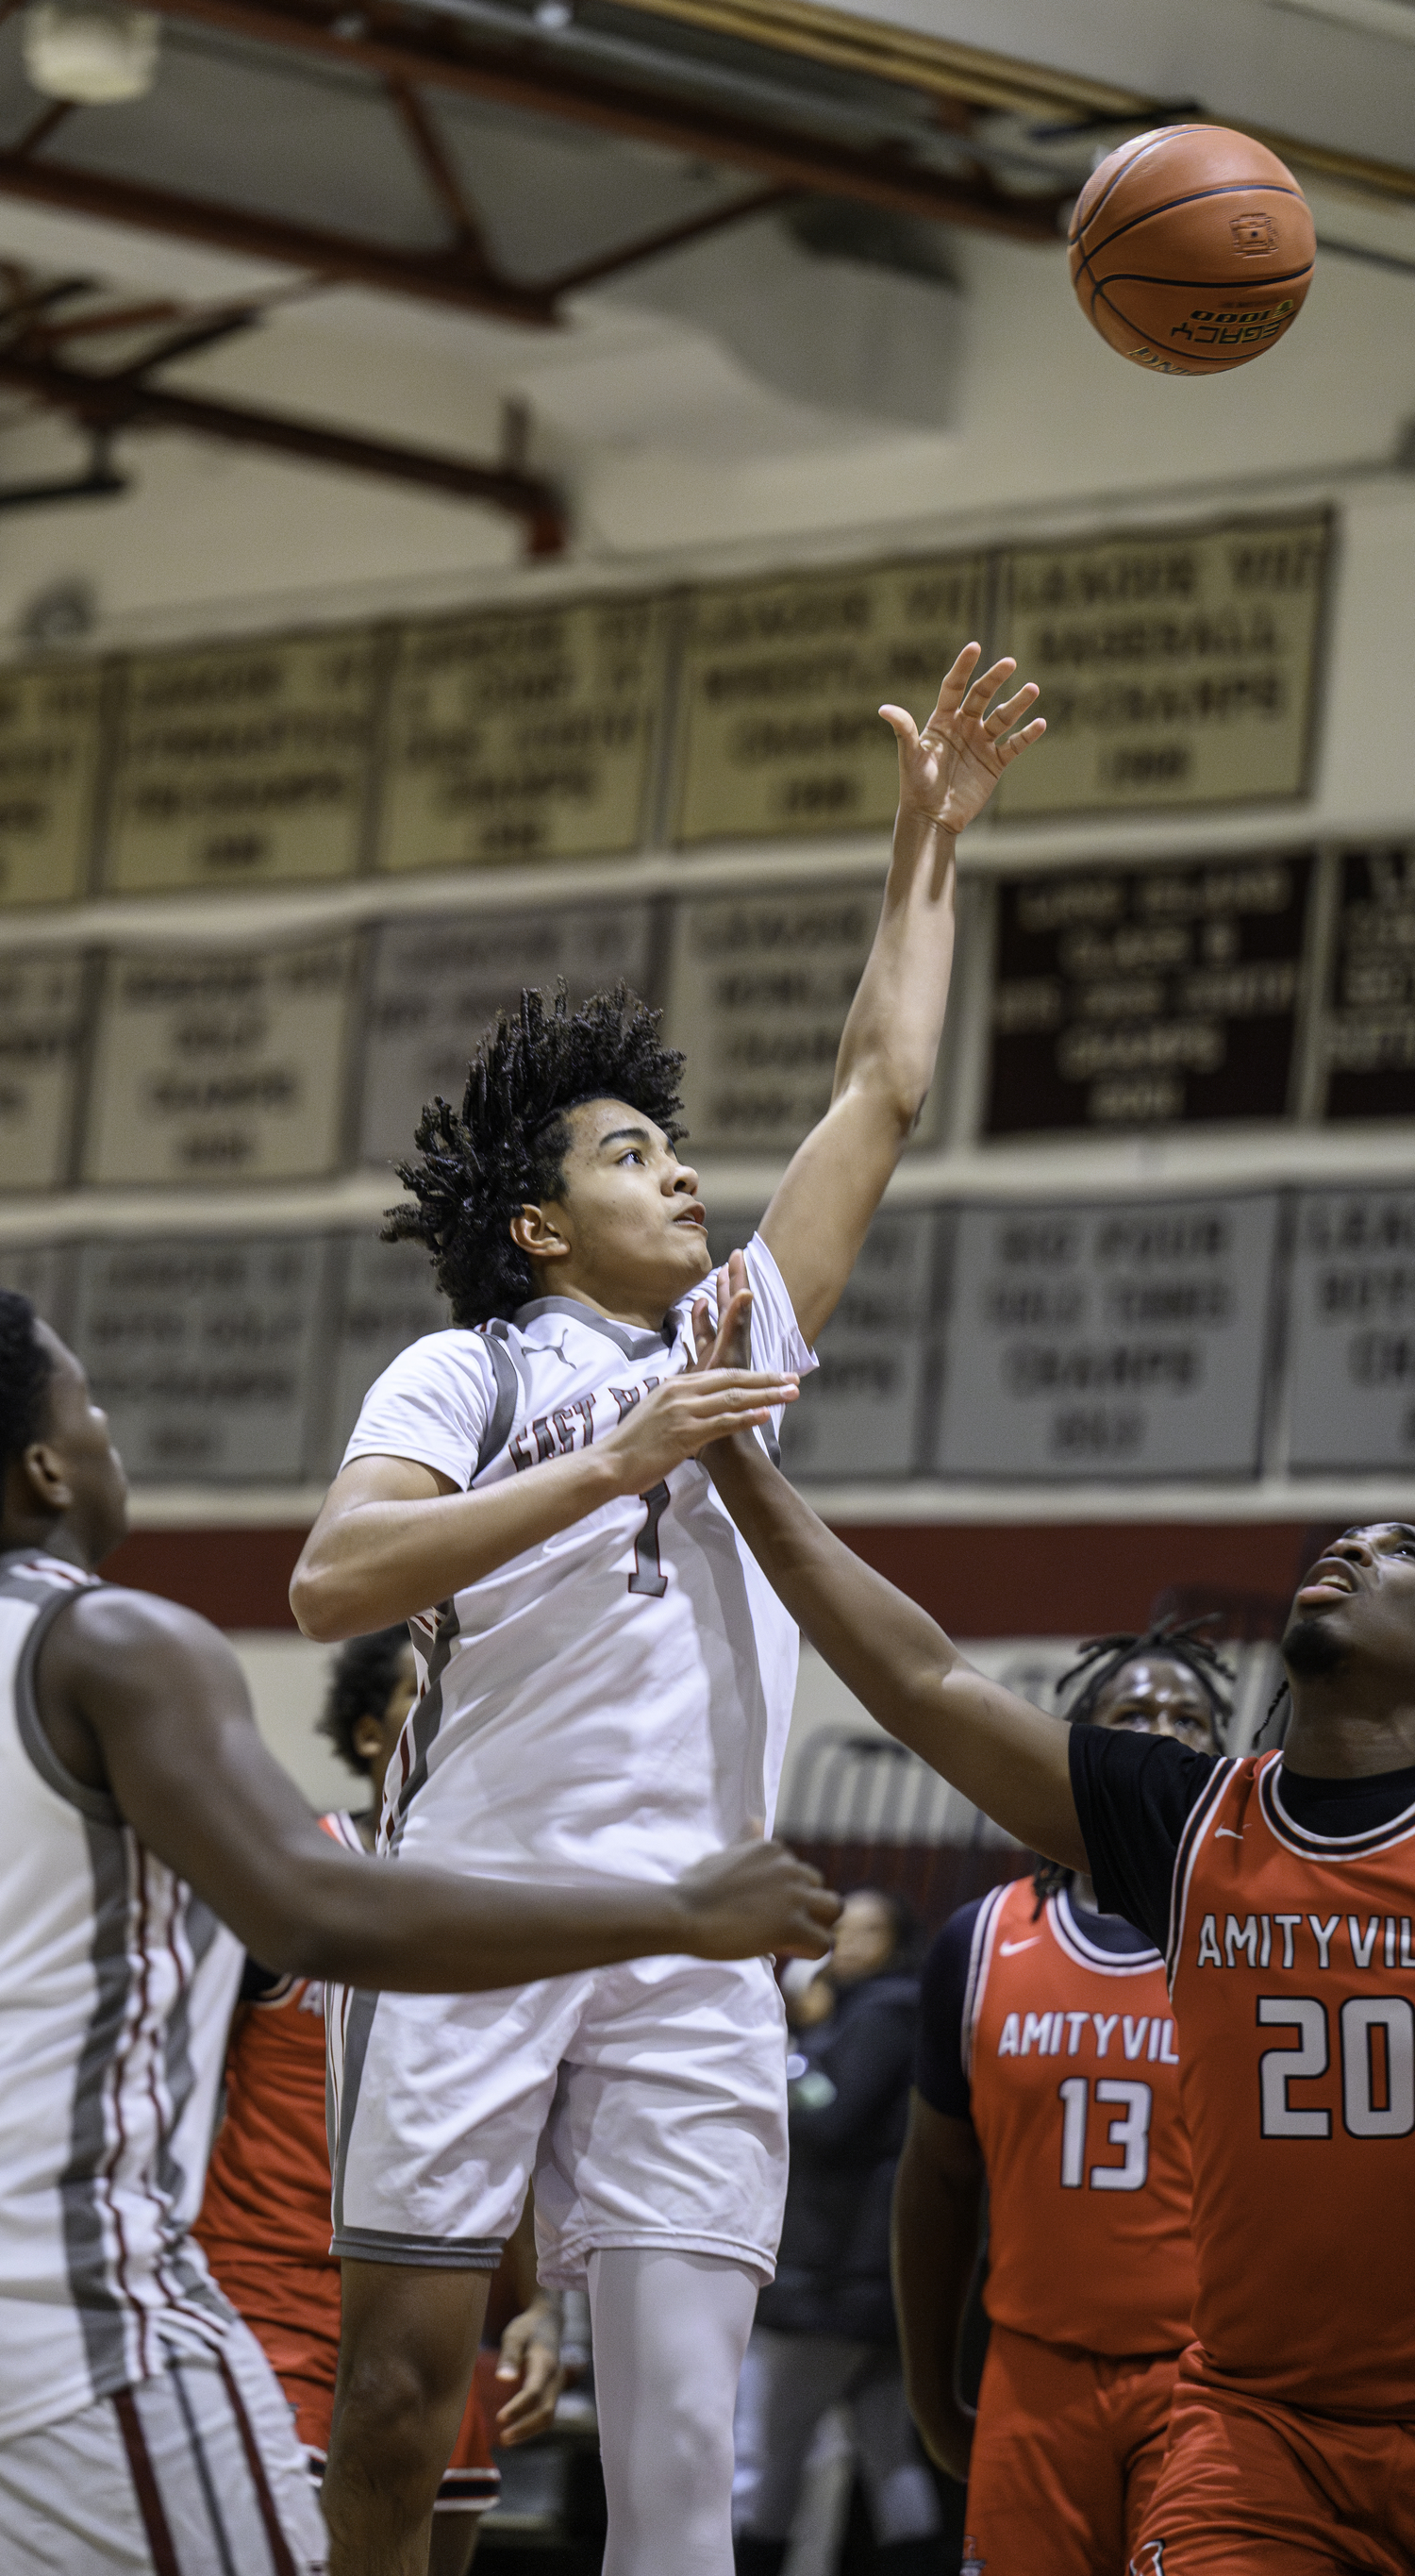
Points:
[1192,250]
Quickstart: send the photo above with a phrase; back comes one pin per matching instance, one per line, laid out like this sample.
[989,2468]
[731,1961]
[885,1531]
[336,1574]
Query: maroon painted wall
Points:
[1024,1580]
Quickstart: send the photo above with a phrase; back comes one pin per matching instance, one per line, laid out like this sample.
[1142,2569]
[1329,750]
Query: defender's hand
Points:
[729,1344]
[756,1897]
[529,2365]
[681,1417]
[948,772]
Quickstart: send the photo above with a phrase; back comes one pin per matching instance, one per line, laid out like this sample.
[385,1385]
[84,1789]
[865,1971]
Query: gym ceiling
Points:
[506,162]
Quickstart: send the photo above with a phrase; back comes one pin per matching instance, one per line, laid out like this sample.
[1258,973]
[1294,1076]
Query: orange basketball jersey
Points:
[1074,2071]
[264,2220]
[1292,1966]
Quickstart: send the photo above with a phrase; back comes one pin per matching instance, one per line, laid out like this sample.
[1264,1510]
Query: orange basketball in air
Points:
[1192,249]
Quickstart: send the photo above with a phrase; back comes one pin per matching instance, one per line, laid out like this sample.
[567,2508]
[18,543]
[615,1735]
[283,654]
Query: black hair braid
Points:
[361,1685]
[475,1169]
[25,1373]
[1099,1660]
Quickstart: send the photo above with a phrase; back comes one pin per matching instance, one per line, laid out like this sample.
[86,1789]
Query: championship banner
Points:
[1176,668]
[221,1064]
[1368,1035]
[243,764]
[779,734]
[50,746]
[1163,996]
[203,1353]
[439,980]
[526,734]
[42,1029]
[1116,1340]
[1351,1332]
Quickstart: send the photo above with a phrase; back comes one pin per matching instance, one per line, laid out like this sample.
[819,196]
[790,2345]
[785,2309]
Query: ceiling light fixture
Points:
[90,54]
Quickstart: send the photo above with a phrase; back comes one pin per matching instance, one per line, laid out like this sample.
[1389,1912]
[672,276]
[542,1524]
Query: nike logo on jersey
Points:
[1222,1831]
[1009,1949]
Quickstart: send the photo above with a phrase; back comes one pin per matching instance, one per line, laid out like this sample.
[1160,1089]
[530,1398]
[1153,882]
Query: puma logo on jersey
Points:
[1010,1949]
[1148,2561]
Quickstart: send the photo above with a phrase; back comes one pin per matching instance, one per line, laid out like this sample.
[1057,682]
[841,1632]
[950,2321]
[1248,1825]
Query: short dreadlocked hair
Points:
[476,1171]
[1099,1659]
[361,1685]
[25,1373]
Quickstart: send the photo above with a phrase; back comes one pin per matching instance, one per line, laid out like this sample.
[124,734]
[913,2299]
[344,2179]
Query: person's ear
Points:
[536,1233]
[46,1482]
[367,1738]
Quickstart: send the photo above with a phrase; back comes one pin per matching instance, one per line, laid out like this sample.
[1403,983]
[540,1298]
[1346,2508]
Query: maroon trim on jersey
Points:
[1309,1846]
[144,2477]
[1198,1819]
[281,2558]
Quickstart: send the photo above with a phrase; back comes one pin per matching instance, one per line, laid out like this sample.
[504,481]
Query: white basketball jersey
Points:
[116,1989]
[617,1699]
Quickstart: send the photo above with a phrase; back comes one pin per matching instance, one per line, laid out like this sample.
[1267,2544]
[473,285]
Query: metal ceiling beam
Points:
[877,51]
[116,403]
[433,54]
[441,277]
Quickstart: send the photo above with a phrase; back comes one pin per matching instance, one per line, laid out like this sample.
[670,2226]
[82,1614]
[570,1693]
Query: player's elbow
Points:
[320,1600]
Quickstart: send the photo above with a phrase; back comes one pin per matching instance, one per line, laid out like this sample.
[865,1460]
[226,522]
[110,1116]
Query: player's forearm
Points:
[1004,1756]
[421,1931]
[377,1562]
[889,1045]
[887,1650]
[934,2246]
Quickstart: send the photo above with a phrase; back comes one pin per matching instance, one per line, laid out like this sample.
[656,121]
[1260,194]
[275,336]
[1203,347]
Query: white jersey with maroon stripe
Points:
[116,1989]
[617,1698]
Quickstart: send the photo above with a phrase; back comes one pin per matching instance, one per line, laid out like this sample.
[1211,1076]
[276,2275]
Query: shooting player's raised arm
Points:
[818,1218]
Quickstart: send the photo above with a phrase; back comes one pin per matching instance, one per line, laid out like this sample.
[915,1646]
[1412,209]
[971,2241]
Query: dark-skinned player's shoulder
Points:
[1134,1796]
[112,1656]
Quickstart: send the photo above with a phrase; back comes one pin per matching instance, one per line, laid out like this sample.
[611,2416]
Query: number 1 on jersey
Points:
[648,1575]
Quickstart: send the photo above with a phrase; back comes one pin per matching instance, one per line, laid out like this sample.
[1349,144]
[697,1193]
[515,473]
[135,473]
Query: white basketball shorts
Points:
[649,2100]
[194,2472]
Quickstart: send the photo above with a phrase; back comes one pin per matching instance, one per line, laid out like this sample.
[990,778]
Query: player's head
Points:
[371,1689]
[559,1173]
[874,1927]
[1355,1610]
[1169,1681]
[61,1472]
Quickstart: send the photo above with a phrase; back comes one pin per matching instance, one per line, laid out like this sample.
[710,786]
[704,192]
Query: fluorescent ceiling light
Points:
[89,54]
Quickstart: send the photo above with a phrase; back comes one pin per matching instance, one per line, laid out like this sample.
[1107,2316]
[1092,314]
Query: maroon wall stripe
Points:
[1028,1579]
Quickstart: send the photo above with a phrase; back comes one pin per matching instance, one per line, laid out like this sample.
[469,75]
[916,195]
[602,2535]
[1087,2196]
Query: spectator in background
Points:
[265,2222]
[824,2333]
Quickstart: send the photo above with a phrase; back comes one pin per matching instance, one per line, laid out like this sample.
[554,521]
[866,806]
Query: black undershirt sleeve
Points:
[938,2070]
[1134,1795]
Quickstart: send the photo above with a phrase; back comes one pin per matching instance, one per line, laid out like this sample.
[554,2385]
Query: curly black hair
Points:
[1180,1641]
[361,1685]
[25,1373]
[475,1172]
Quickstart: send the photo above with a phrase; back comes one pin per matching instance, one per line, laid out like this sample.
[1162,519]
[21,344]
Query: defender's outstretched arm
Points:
[999,1750]
[818,1218]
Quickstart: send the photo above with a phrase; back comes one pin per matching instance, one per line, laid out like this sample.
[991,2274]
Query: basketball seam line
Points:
[1113,182]
[1191,197]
